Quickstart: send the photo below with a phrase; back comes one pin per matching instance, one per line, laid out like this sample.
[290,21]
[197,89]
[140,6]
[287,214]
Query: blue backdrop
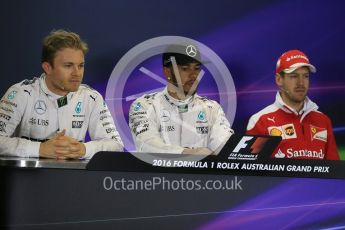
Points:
[248,35]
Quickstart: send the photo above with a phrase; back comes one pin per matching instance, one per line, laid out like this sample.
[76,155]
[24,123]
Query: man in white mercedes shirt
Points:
[177,120]
[49,116]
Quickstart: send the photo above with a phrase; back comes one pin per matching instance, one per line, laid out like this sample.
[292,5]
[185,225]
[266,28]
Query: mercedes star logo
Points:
[191,51]
[165,115]
[40,107]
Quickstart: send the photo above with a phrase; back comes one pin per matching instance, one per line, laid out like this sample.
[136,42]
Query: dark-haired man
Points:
[178,120]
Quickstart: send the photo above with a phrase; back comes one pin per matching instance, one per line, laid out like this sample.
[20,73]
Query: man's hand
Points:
[62,147]
[198,151]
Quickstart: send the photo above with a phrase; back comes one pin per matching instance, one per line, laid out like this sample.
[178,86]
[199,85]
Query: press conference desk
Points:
[49,194]
[16,162]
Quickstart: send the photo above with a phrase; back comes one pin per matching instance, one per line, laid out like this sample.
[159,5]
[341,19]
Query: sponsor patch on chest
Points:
[77,124]
[287,131]
[169,128]
[317,133]
[202,130]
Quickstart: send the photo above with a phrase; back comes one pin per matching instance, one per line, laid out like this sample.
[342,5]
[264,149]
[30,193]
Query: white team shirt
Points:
[160,123]
[30,113]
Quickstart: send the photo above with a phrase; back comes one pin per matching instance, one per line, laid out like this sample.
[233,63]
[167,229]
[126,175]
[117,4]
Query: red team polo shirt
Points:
[305,135]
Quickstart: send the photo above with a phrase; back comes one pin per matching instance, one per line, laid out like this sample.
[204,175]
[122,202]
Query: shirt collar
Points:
[308,106]
[49,93]
[175,101]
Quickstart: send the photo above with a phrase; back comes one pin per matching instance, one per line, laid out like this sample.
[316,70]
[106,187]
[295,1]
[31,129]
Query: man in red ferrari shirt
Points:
[306,132]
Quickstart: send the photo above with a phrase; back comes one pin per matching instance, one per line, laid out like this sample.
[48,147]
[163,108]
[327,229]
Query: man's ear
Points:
[279,80]
[167,72]
[46,67]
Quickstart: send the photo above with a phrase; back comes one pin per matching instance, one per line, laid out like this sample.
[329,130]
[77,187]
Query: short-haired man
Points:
[177,120]
[50,115]
[306,132]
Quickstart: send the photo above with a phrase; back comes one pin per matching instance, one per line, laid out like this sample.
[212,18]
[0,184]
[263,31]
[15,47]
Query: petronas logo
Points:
[201,116]
[78,107]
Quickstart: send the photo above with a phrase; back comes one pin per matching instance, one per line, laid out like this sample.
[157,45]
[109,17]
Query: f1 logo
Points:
[242,144]
[255,145]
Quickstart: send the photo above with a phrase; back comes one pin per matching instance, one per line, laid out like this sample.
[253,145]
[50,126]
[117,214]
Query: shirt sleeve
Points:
[220,130]
[12,107]
[256,126]
[331,149]
[102,130]
[144,126]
